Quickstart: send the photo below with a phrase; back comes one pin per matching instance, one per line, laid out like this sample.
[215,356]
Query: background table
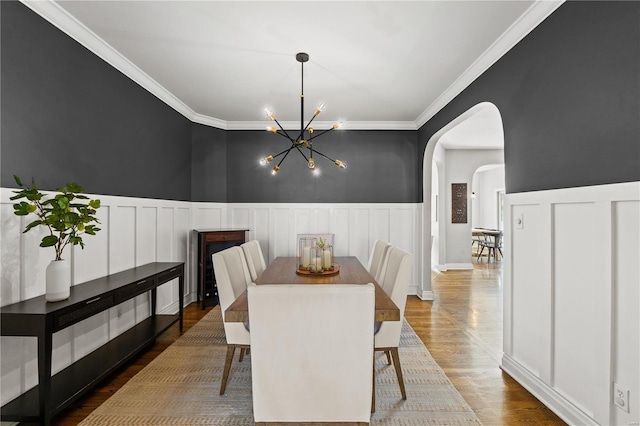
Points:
[283,271]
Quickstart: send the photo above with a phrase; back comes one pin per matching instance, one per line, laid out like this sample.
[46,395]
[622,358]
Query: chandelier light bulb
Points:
[265,160]
[337,126]
[319,108]
[341,164]
[275,170]
[270,114]
[311,164]
[271,129]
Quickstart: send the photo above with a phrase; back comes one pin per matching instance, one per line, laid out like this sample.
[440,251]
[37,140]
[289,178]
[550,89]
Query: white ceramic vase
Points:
[58,280]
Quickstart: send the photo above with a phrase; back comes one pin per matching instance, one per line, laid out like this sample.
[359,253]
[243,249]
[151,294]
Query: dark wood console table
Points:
[39,318]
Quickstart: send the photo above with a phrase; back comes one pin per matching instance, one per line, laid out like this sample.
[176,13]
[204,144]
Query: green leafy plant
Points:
[65,218]
[322,244]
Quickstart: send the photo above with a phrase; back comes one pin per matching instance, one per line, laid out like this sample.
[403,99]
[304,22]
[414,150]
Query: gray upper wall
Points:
[208,164]
[569,96]
[568,93]
[380,168]
[68,116]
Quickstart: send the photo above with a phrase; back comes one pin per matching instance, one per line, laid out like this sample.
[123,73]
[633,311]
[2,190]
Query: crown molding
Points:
[320,125]
[67,23]
[210,121]
[75,29]
[534,15]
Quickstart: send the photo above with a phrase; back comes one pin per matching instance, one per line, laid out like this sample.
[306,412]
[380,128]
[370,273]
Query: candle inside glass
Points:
[327,259]
[306,257]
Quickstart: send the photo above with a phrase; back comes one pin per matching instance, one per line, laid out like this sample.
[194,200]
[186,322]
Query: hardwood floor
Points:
[462,328]
[75,413]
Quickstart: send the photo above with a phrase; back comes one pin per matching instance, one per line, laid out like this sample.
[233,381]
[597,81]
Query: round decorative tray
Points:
[333,271]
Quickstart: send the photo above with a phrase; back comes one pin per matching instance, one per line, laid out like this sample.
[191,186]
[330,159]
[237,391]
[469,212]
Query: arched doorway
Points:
[479,128]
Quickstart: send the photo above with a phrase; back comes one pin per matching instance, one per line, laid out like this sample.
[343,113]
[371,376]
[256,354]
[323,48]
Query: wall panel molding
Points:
[564,268]
[137,231]
[134,231]
[355,226]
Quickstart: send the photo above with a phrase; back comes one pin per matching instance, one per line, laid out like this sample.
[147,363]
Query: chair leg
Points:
[231,349]
[396,362]
[388,353]
[480,254]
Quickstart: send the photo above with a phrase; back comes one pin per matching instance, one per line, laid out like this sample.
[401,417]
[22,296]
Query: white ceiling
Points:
[482,130]
[375,64]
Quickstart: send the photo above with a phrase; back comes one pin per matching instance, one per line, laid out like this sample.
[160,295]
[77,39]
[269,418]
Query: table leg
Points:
[154,299]
[181,299]
[45,347]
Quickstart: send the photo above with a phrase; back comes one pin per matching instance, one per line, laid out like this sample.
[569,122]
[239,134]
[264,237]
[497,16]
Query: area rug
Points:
[181,387]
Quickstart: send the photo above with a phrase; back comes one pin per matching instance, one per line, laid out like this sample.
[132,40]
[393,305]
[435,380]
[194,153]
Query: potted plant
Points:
[66,220]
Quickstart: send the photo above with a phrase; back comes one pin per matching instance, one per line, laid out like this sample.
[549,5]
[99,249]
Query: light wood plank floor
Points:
[462,328]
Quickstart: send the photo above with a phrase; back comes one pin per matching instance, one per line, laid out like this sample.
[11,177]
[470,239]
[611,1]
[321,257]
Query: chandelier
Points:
[307,134]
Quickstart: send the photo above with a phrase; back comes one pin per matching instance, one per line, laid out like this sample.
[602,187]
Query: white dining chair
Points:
[232,277]
[255,258]
[311,352]
[394,280]
[377,258]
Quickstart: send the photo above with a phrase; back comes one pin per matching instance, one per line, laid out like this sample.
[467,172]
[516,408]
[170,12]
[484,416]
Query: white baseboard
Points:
[457,266]
[546,394]
[425,295]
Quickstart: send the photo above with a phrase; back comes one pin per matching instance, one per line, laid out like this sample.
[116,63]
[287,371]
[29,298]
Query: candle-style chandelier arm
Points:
[337,162]
[301,153]
[278,132]
[314,135]
[279,154]
[325,156]
[274,130]
[301,136]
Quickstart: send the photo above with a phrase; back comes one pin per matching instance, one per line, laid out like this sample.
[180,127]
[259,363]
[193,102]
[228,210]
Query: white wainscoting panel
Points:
[571,321]
[134,232]
[355,228]
[138,231]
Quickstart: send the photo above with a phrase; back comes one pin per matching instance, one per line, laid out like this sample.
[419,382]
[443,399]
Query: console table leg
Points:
[45,347]
[154,299]
[181,299]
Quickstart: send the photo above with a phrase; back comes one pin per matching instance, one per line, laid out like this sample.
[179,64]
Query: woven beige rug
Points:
[181,387]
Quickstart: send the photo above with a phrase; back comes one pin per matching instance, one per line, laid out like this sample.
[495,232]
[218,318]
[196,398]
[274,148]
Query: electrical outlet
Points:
[621,397]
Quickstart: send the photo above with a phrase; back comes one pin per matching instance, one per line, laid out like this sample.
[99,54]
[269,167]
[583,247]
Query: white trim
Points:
[212,122]
[536,13]
[549,397]
[458,266]
[67,23]
[426,295]
[348,125]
